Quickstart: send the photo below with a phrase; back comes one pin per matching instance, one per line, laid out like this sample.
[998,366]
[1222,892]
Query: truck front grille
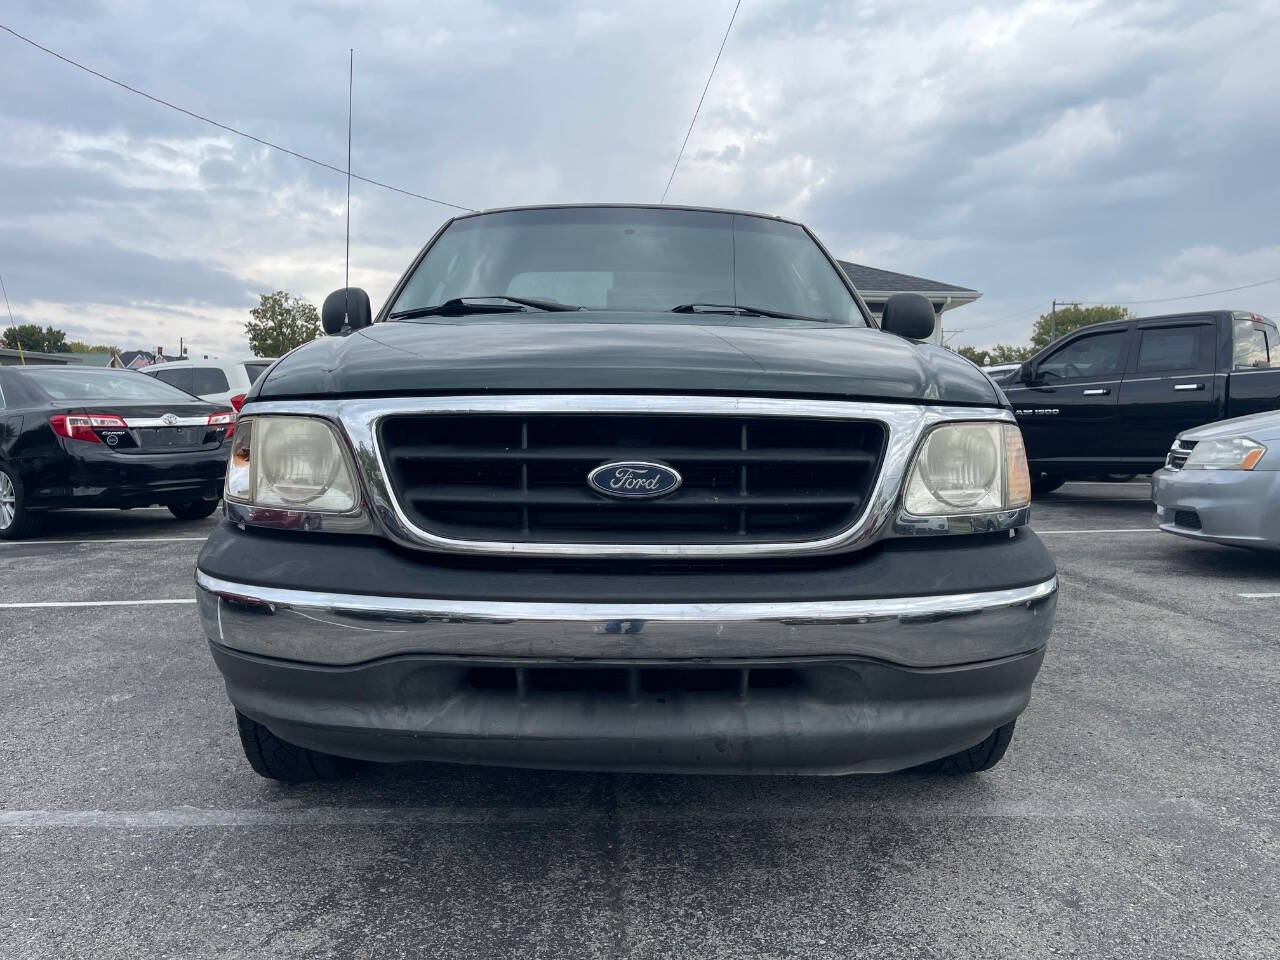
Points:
[523,477]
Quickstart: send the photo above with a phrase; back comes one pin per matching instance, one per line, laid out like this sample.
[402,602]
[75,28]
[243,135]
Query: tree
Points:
[975,355]
[1049,327]
[1000,353]
[79,346]
[30,336]
[1008,353]
[280,323]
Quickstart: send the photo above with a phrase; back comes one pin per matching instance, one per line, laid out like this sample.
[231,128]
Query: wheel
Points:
[1046,483]
[275,759]
[982,756]
[195,510]
[16,521]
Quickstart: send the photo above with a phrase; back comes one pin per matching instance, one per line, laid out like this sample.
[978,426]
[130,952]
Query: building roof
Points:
[871,281]
[95,358]
[9,357]
[131,357]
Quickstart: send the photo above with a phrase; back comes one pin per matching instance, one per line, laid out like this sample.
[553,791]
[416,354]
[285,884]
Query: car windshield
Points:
[631,260]
[61,383]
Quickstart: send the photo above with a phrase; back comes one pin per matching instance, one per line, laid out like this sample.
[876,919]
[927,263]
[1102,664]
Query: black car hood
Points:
[553,353]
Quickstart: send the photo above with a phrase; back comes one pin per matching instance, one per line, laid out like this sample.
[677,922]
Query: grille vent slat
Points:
[522,478]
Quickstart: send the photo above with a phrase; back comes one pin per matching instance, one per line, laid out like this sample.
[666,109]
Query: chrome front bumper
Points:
[344,629]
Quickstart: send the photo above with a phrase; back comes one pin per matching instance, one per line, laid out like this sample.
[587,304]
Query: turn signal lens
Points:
[239,485]
[1015,465]
[85,426]
[1235,453]
[969,468]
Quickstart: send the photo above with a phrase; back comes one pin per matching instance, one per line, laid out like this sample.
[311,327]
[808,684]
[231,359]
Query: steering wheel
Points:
[1071,370]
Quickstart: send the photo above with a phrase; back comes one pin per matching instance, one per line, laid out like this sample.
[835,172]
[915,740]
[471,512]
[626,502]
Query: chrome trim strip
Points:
[905,425]
[139,422]
[318,627]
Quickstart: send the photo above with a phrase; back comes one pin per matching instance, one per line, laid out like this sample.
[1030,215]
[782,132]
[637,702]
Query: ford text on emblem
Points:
[169,419]
[634,479]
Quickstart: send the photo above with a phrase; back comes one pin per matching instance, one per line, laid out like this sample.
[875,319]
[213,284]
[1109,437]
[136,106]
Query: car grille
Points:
[1177,457]
[523,477]
[1187,519]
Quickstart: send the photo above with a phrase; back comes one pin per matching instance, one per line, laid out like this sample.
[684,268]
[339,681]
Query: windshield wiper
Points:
[459,305]
[741,310]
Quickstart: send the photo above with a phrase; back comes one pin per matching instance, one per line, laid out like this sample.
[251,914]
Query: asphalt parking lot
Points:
[1136,814]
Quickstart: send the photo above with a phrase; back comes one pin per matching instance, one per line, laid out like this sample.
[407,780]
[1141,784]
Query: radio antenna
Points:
[346,274]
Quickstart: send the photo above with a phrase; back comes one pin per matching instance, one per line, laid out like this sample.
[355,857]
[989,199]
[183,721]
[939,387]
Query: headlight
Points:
[968,468]
[1237,453]
[290,463]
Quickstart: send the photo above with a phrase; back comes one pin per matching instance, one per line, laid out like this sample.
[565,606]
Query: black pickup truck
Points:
[1110,398]
[626,488]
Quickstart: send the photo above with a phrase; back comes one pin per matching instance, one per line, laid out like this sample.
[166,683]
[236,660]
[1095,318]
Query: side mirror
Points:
[1027,372]
[346,307]
[909,315]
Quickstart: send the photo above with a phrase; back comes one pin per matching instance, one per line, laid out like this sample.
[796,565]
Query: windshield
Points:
[61,383]
[632,259]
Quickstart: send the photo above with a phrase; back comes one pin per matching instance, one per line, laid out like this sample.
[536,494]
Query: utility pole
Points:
[1053,317]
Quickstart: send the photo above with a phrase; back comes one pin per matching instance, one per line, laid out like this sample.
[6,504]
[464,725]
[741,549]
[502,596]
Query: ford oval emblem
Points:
[634,480]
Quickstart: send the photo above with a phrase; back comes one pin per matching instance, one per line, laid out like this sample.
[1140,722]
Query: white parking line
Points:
[44,543]
[1258,596]
[1111,808]
[1114,530]
[92,603]
[1046,503]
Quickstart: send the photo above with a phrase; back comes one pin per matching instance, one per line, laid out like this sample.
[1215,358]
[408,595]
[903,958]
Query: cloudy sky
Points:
[1031,149]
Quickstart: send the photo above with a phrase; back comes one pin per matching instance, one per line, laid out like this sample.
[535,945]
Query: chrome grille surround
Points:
[904,424]
[1177,457]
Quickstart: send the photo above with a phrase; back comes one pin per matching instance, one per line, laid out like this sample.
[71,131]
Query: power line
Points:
[1190,296]
[227,127]
[698,109]
[6,300]
[1130,303]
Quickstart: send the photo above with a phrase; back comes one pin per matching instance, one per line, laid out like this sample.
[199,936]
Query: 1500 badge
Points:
[1037,411]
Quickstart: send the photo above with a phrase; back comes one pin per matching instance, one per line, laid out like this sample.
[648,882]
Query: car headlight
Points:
[1236,453]
[290,463]
[969,468]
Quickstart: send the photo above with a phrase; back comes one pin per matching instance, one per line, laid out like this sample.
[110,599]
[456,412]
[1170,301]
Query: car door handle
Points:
[1097,392]
[1188,386]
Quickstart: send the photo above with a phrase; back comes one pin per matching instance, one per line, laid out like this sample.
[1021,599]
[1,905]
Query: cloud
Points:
[1028,148]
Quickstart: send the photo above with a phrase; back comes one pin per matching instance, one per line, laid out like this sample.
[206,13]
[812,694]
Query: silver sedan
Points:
[1221,482]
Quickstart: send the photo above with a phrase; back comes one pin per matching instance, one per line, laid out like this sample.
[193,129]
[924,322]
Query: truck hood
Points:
[588,353]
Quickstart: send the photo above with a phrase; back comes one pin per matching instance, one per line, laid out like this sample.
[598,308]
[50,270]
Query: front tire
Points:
[275,759]
[194,510]
[16,521]
[982,756]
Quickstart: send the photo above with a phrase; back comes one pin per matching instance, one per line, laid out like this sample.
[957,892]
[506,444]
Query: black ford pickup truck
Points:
[626,488]
[1110,398]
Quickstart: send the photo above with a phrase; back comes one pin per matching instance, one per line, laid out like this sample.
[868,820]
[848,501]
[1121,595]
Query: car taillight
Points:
[84,426]
[225,419]
[238,401]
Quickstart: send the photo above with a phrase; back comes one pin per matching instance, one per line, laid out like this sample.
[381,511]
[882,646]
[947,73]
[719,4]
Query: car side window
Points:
[208,380]
[1168,349]
[181,378]
[1094,355]
[1254,346]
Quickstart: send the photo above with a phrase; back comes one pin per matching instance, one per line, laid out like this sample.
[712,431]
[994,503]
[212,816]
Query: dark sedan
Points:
[84,437]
